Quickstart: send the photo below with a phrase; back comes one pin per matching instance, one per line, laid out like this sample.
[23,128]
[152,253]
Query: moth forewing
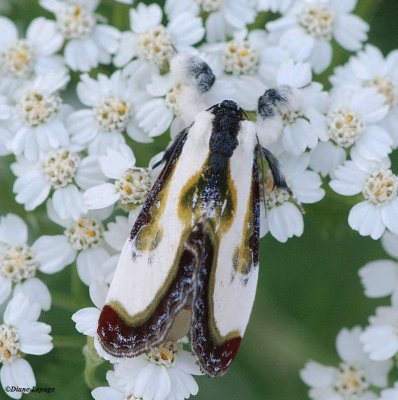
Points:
[236,271]
[148,268]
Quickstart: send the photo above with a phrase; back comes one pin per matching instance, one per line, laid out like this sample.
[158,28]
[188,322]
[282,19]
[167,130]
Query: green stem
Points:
[68,341]
[93,361]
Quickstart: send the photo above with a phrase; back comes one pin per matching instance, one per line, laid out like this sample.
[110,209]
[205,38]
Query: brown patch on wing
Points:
[123,340]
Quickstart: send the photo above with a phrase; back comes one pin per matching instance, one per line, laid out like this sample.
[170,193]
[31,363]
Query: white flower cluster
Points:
[78,158]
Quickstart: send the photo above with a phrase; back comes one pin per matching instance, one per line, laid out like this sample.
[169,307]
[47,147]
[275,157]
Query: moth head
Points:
[229,107]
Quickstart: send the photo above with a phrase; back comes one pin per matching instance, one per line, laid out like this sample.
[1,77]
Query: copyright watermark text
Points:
[32,389]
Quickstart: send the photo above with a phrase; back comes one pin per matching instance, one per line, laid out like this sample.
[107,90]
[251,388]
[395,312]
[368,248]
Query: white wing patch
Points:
[234,293]
[139,279]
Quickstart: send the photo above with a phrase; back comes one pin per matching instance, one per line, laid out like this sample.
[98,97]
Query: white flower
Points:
[380,339]
[273,5]
[390,244]
[112,103]
[283,218]
[369,68]
[308,26]
[19,263]
[38,114]
[380,278]
[21,334]
[23,59]
[163,373]
[297,120]
[353,378]
[89,43]
[130,187]
[82,240]
[153,43]
[352,125]
[390,394]
[379,188]
[226,16]
[60,171]
[5,116]
[86,319]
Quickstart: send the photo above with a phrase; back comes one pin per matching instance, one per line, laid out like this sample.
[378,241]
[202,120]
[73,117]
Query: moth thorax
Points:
[210,5]
[36,108]
[17,263]
[317,20]
[17,60]
[381,187]
[9,344]
[75,22]
[240,58]
[60,167]
[113,114]
[386,87]
[344,126]
[134,186]
[84,233]
[156,46]
[350,381]
[274,196]
[164,354]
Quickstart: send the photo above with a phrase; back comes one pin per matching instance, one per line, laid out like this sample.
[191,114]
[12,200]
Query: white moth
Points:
[195,243]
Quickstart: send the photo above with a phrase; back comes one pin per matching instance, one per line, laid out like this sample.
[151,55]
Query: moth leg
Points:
[279,178]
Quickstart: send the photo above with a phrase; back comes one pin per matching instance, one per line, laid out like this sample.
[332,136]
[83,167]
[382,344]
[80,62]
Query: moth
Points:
[195,243]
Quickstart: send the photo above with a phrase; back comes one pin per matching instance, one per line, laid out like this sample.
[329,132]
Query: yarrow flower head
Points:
[379,188]
[307,27]
[352,125]
[112,102]
[38,115]
[21,334]
[19,263]
[131,185]
[60,172]
[153,43]
[353,378]
[370,69]
[24,59]
[88,43]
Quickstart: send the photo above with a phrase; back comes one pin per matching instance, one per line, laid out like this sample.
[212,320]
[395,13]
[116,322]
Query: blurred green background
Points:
[308,288]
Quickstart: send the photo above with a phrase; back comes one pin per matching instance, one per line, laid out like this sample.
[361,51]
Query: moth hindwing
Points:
[194,244]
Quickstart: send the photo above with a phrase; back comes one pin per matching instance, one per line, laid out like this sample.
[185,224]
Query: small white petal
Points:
[13,230]
[86,320]
[53,253]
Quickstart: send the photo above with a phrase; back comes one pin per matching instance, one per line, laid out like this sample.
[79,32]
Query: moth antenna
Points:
[259,154]
[174,48]
[279,179]
[248,118]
